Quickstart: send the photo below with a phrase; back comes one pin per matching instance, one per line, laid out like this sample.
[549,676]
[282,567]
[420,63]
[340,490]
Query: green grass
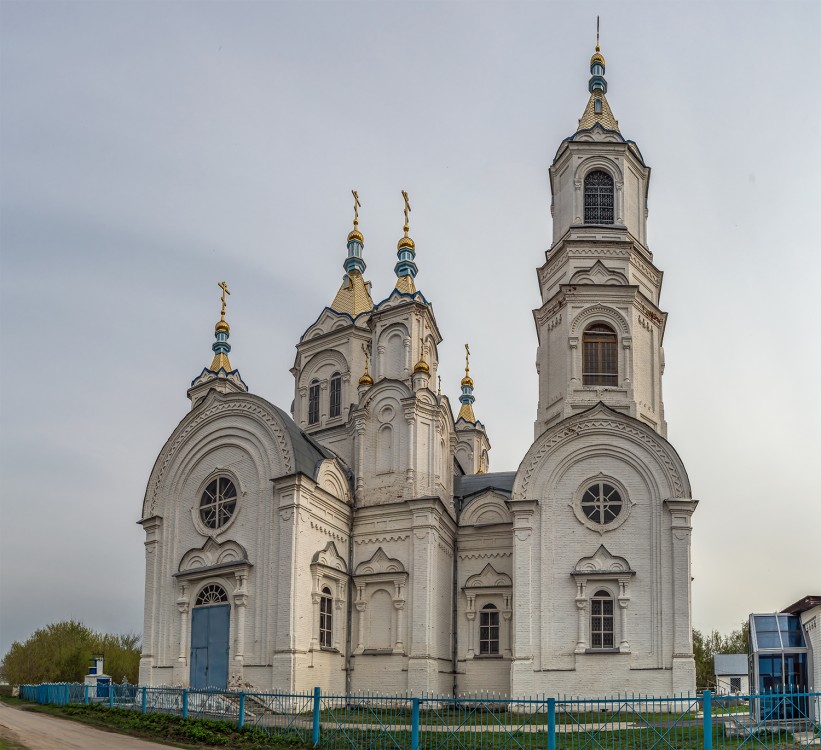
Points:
[6,744]
[168,729]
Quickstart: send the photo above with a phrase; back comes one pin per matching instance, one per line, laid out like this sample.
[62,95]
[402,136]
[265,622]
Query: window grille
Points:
[735,684]
[600,362]
[325,618]
[211,594]
[598,198]
[489,630]
[313,402]
[601,503]
[336,395]
[601,620]
[218,503]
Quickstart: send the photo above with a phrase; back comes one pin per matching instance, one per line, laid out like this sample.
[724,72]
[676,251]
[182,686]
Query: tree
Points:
[705,647]
[62,651]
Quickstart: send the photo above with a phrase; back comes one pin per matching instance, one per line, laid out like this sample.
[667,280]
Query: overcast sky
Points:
[152,149]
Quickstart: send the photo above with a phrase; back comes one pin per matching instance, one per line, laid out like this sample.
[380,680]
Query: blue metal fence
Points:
[347,722]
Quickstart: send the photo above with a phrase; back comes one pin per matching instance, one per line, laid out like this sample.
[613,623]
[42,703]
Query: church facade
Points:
[362,543]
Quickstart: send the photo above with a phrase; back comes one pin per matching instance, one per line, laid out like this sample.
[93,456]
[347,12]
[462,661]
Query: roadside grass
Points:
[7,744]
[164,728]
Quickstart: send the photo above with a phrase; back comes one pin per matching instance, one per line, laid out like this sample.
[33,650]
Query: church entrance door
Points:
[209,646]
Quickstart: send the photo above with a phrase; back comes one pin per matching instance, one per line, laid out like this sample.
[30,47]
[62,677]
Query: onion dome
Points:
[221,347]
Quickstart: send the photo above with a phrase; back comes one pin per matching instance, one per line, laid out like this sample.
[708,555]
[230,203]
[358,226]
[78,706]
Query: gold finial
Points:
[421,365]
[467,380]
[597,34]
[355,234]
[366,378]
[223,325]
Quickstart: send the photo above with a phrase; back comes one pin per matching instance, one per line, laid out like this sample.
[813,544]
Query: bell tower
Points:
[600,328]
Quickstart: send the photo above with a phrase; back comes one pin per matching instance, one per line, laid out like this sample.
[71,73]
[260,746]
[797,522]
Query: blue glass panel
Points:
[765,622]
[768,640]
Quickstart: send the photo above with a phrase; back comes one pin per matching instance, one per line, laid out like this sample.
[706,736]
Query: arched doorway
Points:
[210,625]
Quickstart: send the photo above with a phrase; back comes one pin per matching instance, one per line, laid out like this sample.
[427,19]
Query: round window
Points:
[601,503]
[218,503]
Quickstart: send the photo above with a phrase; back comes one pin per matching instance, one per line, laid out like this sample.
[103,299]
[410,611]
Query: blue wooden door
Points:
[209,646]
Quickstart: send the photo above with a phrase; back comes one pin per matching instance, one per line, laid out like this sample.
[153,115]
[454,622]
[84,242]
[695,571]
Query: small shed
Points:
[732,676]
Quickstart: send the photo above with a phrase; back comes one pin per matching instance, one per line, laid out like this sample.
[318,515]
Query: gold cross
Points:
[407,212]
[224,286]
[356,206]
[467,359]
[597,34]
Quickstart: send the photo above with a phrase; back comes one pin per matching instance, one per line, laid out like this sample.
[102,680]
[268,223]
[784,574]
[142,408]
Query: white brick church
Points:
[361,543]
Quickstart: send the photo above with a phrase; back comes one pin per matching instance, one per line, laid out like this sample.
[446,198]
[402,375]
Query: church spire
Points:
[219,376]
[467,398]
[405,267]
[354,296]
[222,330]
[597,109]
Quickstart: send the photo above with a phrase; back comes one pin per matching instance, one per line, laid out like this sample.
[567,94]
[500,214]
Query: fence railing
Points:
[347,722]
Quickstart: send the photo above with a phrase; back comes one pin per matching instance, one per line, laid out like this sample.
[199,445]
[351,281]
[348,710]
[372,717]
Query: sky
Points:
[149,150]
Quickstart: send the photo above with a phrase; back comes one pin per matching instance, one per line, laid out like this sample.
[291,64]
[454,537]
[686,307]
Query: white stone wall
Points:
[811,622]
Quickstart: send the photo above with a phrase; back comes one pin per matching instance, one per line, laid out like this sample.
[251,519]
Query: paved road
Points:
[40,732]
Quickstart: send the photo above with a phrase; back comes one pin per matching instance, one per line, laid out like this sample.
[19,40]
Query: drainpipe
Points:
[349,623]
[455,604]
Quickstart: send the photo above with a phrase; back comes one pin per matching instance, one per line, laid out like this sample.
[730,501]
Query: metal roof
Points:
[730,664]
[473,484]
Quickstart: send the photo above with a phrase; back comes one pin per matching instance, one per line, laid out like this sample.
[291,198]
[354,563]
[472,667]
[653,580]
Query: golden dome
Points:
[405,242]
[467,380]
[222,326]
[355,234]
[366,379]
[422,366]
[597,57]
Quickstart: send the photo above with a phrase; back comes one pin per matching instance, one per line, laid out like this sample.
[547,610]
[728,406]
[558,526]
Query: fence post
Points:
[415,725]
[707,704]
[317,707]
[551,724]
[145,699]
[68,694]
[184,703]
[85,694]
[111,694]
[241,715]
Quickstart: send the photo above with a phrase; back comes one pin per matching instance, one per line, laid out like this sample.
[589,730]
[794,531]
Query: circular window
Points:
[218,503]
[601,503]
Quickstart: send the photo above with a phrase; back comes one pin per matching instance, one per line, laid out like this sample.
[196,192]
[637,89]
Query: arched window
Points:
[218,502]
[489,630]
[313,402]
[336,395]
[326,619]
[598,198]
[600,365]
[601,620]
[211,594]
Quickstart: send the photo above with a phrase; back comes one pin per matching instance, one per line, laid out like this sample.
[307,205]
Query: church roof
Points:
[472,484]
[353,296]
[604,118]
[308,454]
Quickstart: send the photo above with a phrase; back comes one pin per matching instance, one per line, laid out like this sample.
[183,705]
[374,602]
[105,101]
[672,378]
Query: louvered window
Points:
[336,395]
[313,402]
[598,198]
[600,364]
